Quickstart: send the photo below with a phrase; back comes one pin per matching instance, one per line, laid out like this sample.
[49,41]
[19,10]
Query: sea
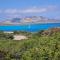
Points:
[29,27]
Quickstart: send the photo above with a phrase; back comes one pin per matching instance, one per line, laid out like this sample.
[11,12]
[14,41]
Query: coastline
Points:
[29,27]
[28,23]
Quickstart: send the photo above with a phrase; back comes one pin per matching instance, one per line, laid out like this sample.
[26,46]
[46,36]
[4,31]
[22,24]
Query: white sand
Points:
[19,37]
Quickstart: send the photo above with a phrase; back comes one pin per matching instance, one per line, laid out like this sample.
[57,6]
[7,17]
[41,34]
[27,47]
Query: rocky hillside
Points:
[50,31]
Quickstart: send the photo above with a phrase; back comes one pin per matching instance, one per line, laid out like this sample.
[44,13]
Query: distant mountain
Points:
[16,20]
[30,19]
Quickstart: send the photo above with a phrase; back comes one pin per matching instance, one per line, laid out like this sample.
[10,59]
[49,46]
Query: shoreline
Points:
[27,24]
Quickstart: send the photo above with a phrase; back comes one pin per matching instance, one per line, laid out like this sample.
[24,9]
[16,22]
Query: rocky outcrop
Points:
[51,31]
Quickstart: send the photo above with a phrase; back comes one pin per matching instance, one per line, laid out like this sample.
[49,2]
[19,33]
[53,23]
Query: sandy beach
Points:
[19,37]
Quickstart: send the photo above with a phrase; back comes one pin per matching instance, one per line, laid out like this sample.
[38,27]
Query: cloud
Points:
[18,12]
[52,8]
[13,15]
[30,10]
[57,17]
[33,10]
[11,11]
[0,11]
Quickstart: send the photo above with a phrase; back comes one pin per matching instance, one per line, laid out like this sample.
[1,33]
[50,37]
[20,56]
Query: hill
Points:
[37,47]
[26,20]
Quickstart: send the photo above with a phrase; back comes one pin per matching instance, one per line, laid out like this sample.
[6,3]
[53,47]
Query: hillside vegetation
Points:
[43,45]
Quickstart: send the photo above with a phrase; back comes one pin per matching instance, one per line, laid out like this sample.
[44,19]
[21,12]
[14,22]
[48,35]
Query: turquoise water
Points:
[30,27]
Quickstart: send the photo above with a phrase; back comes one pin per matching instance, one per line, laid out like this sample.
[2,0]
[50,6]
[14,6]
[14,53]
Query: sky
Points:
[21,8]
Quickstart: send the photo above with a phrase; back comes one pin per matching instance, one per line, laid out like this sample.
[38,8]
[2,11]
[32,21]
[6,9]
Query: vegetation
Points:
[38,47]
[22,33]
[5,36]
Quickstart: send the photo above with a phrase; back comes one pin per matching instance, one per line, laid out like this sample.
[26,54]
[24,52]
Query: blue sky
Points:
[20,8]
